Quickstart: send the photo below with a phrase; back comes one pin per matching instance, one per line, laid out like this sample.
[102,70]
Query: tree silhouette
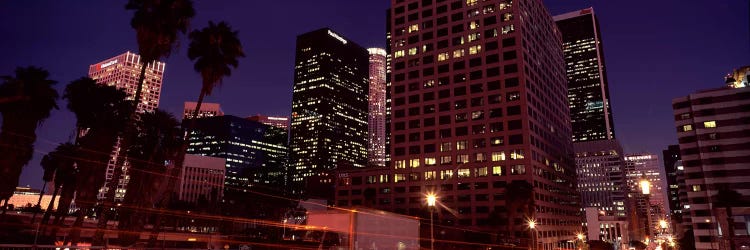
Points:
[21,118]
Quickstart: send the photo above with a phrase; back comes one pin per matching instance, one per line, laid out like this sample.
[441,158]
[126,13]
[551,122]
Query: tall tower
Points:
[653,205]
[478,107]
[122,71]
[376,117]
[329,108]
[588,90]
[671,157]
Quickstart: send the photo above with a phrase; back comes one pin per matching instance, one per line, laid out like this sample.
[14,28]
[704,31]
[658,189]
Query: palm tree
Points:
[59,167]
[101,113]
[20,120]
[728,198]
[157,24]
[158,141]
[519,196]
[214,49]
[50,163]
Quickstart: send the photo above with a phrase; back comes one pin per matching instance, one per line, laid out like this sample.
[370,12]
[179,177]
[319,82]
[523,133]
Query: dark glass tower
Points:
[255,153]
[329,108]
[588,90]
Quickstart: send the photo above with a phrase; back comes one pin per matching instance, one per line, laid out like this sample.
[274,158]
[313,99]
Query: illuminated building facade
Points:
[329,108]
[739,78]
[712,129]
[601,177]
[255,153]
[281,122]
[207,110]
[202,178]
[376,116]
[478,104]
[588,89]
[652,206]
[122,71]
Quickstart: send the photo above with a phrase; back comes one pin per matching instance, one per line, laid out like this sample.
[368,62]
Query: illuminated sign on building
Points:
[334,35]
[107,64]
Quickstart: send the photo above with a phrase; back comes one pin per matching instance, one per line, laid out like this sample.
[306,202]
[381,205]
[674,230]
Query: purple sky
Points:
[654,50]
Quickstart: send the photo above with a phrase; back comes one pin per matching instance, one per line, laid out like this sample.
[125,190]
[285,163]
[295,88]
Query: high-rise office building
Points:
[202,179]
[281,122]
[376,116]
[712,129]
[478,107]
[601,177]
[653,205]
[255,153]
[207,110]
[123,71]
[588,89]
[671,156]
[329,108]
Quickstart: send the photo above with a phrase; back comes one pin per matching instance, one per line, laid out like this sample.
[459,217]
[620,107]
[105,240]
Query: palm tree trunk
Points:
[174,173]
[109,197]
[730,228]
[48,212]
[39,202]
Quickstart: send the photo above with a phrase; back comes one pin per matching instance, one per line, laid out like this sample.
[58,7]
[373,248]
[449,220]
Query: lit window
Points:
[400,164]
[458,53]
[498,156]
[480,157]
[399,177]
[414,163]
[429,83]
[497,170]
[508,29]
[687,127]
[429,175]
[445,146]
[412,51]
[517,169]
[480,172]
[446,159]
[474,37]
[475,49]
[461,145]
[398,54]
[462,159]
[516,154]
[471,2]
[684,116]
[696,188]
[464,173]
[413,28]
[446,174]
[430,161]
[473,25]
[443,56]
[709,124]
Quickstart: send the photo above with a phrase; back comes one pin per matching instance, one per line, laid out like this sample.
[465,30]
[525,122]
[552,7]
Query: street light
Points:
[532,226]
[580,241]
[431,199]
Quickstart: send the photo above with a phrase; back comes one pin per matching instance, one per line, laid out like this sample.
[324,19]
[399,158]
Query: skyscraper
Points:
[329,107]
[255,153]
[640,167]
[671,156]
[207,110]
[478,107]
[588,89]
[281,122]
[712,128]
[122,71]
[376,117]
[601,179]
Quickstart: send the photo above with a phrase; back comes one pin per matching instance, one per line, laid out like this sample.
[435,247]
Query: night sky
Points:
[655,50]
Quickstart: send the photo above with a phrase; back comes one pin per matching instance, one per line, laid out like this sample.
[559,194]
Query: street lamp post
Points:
[431,199]
[532,226]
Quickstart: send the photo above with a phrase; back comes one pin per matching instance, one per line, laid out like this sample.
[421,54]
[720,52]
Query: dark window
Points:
[510,68]
[442,44]
[515,139]
[459,65]
[507,42]
[428,122]
[511,82]
[445,93]
[514,110]
[490,45]
[444,119]
[493,85]
[509,55]
[490,20]
[492,58]
[477,74]
[474,62]
[514,124]
[498,112]
[459,91]
[428,60]
[493,71]
[442,32]
[445,106]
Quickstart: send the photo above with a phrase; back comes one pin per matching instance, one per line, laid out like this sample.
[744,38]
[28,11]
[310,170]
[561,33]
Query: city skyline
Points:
[642,114]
